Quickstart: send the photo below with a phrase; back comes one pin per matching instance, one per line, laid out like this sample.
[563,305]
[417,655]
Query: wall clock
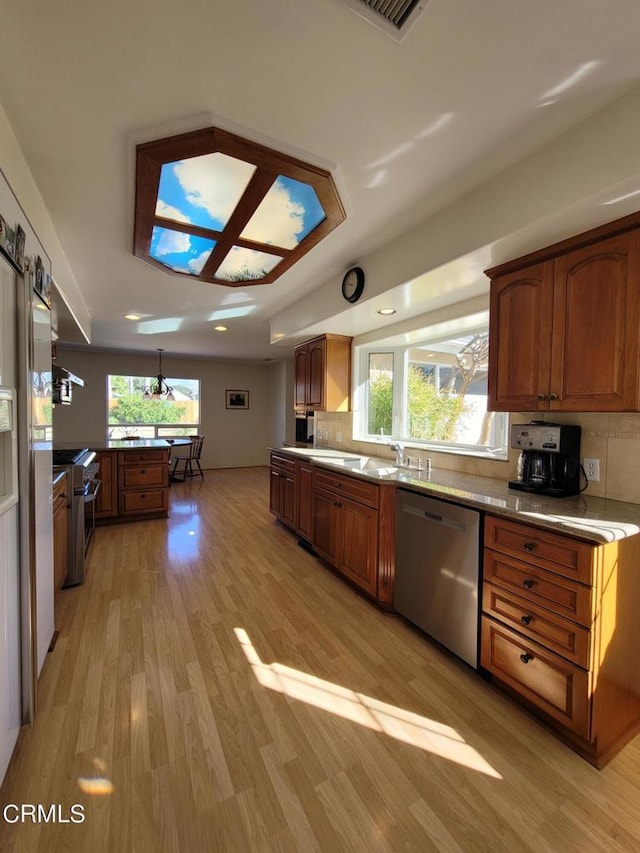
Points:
[353,284]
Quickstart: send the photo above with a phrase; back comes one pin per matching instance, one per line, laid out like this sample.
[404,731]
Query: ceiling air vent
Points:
[394,17]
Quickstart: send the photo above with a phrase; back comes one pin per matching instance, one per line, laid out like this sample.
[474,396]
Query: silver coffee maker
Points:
[550,458]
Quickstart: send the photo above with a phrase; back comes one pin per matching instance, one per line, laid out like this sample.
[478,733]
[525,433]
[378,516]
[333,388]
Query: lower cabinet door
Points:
[275,492]
[549,682]
[359,544]
[326,527]
[288,508]
[305,506]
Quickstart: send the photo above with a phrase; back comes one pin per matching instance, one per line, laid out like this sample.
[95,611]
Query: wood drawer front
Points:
[349,487]
[553,592]
[138,503]
[287,466]
[134,457]
[560,635]
[546,680]
[136,476]
[560,554]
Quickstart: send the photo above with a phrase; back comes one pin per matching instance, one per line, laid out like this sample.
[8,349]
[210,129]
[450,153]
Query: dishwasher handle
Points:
[435,518]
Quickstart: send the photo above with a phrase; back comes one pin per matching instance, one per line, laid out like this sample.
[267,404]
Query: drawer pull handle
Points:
[337,503]
[541,397]
[529,546]
[525,620]
[528,583]
[553,396]
[526,658]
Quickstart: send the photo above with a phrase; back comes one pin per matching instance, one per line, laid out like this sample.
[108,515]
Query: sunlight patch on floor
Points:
[402,725]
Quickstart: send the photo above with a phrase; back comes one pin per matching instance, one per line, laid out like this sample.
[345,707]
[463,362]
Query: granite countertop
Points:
[590,518]
[119,444]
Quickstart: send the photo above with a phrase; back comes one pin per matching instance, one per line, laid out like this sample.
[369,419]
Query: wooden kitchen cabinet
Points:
[560,631]
[305,506]
[282,490]
[347,531]
[60,532]
[563,331]
[323,374]
[107,499]
[143,483]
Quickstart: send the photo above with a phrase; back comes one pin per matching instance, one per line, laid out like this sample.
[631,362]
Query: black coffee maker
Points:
[550,458]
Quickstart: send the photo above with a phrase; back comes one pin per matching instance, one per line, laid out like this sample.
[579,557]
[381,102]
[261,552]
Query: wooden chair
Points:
[187,461]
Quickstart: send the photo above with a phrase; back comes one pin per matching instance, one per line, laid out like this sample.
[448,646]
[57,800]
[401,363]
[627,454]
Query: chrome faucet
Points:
[399,451]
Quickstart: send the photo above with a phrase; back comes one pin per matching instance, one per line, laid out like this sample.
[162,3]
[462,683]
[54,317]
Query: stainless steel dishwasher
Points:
[436,583]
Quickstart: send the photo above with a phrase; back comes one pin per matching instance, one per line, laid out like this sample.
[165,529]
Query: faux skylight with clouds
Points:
[213,206]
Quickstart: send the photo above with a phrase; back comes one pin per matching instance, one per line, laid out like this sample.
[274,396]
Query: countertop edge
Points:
[595,520]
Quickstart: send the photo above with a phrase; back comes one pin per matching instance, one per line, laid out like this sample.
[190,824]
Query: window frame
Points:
[153,430]
[400,403]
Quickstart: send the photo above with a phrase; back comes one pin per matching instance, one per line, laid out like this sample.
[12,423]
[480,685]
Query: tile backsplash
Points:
[614,439]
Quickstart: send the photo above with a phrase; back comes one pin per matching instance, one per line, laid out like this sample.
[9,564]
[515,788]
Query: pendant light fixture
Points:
[159,390]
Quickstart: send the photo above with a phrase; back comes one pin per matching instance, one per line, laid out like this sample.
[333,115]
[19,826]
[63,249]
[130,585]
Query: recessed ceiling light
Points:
[220,328]
[131,316]
[278,335]
[387,311]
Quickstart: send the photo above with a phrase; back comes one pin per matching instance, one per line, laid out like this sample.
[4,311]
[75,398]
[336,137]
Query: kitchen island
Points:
[558,587]
[135,478]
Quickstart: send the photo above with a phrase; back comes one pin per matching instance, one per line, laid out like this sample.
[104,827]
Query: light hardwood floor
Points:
[238,697]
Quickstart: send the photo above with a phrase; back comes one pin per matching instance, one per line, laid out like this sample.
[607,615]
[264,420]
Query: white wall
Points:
[233,438]
[561,189]
[17,174]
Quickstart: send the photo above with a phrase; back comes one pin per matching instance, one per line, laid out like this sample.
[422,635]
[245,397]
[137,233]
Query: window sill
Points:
[494,456]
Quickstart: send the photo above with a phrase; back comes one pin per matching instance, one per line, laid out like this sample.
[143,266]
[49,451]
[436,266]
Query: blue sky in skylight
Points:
[202,190]
[180,252]
[287,213]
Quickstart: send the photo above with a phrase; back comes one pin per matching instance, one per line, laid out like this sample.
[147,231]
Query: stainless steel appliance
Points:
[436,582]
[83,491]
[550,458]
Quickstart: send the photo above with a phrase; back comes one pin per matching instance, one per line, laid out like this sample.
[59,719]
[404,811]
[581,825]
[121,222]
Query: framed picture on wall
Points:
[237,399]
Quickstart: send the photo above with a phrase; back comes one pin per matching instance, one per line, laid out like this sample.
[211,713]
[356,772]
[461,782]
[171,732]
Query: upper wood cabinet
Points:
[323,374]
[563,332]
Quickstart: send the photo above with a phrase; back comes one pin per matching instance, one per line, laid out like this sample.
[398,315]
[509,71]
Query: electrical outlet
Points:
[592,469]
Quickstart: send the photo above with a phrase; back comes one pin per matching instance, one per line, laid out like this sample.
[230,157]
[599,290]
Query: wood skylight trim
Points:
[270,165]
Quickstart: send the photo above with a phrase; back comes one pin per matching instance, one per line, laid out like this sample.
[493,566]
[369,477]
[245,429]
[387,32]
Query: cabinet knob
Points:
[553,396]
[337,485]
[529,546]
[525,620]
[526,658]
[542,397]
[337,503]
[143,470]
[528,583]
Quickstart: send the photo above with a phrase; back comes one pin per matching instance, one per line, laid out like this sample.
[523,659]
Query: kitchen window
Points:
[128,413]
[432,393]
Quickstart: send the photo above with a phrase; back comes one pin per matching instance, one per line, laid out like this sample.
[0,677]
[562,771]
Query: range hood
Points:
[63,382]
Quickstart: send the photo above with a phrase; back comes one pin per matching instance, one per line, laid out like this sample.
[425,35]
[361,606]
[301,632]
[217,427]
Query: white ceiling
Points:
[405,127]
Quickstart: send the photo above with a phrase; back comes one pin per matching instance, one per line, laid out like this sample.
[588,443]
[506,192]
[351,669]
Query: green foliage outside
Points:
[380,405]
[432,416]
[134,409]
